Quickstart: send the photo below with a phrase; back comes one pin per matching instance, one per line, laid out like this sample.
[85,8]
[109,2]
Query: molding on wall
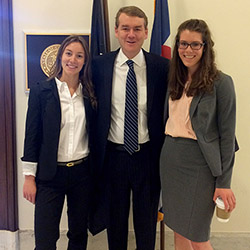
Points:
[219,240]
[9,240]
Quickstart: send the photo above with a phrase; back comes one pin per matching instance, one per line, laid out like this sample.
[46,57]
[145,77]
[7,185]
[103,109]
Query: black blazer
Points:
[157,72]
[43,128]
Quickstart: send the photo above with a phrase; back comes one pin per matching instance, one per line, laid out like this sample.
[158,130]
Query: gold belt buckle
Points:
[70,164]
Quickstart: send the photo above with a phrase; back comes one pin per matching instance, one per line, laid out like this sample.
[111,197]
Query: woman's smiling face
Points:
[190,57]
[72,59]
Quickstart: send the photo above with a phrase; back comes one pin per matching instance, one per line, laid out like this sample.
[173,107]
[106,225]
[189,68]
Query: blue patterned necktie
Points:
[131,111]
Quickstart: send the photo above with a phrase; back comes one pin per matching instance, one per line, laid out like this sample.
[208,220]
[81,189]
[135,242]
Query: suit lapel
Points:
[52,100]
[108,69]
[150,81]
[56,96]
[194,105]
[88,109]
[166,111]
[51,86]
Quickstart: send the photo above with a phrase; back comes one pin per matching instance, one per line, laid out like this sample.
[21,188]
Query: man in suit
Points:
[123,171]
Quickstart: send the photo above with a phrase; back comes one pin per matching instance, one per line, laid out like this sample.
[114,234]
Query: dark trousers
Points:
[74,183]
[134,174]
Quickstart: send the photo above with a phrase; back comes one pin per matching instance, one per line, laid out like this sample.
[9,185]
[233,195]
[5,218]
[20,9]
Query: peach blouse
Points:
[179,123]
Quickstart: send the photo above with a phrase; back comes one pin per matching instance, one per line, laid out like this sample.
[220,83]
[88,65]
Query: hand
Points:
[227,196]
[29,188]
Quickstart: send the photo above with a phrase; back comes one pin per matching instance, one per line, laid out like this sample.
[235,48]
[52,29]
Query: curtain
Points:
[8,166]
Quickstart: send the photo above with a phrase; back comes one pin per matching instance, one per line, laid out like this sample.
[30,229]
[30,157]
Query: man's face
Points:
[131,34]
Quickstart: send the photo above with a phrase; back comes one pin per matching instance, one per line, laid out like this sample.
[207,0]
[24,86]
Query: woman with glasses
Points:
[198,153]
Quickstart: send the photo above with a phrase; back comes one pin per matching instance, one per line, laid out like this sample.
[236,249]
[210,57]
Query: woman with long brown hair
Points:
[57,146]
[198,153]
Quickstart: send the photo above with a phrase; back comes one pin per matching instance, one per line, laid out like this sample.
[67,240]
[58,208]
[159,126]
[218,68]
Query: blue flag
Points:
[99,29]
[161,30]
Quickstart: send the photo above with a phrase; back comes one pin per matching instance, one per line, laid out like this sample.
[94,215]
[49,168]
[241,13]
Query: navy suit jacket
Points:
[43,123]
[157,72]
[102,70]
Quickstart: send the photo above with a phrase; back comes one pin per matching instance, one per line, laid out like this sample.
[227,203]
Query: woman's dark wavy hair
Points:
[204,76]
[85,73]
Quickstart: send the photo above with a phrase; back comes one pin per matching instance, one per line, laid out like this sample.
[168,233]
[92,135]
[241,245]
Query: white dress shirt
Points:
[116,132]
[73,140]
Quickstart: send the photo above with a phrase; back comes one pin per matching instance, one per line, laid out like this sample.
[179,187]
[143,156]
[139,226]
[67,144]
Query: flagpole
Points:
[106,17]
[162,235]
[160,34]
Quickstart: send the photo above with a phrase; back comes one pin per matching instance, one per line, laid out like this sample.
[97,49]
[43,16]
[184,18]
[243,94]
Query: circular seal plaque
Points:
[48,58]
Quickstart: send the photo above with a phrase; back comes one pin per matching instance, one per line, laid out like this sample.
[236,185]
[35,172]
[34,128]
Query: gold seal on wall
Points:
[48,58]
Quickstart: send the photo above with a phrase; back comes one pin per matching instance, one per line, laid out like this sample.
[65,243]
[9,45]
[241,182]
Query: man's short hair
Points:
[131,11]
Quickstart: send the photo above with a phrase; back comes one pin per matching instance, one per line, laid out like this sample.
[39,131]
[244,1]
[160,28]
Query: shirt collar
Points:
[138,59]
[79,90]
[62,85]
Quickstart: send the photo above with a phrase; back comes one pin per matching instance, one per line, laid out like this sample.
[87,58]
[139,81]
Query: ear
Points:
[146,34]
[116,32]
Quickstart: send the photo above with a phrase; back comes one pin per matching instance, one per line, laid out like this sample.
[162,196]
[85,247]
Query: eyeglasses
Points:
[193,45]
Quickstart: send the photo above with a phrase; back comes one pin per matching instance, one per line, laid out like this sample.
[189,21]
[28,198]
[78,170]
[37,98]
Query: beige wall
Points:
[58,16]
[228,21]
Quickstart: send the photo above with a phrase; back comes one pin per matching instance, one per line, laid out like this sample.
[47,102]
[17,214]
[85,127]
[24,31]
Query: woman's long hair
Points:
[85,73]
[204,76]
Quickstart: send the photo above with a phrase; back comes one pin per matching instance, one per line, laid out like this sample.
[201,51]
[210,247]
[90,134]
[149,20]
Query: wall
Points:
[228,20]
[40,16]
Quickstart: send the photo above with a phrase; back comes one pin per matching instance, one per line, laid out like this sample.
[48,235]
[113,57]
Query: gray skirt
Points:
[187,189]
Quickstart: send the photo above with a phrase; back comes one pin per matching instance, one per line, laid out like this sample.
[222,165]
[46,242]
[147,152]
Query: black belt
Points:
[71,163]
[120,147]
